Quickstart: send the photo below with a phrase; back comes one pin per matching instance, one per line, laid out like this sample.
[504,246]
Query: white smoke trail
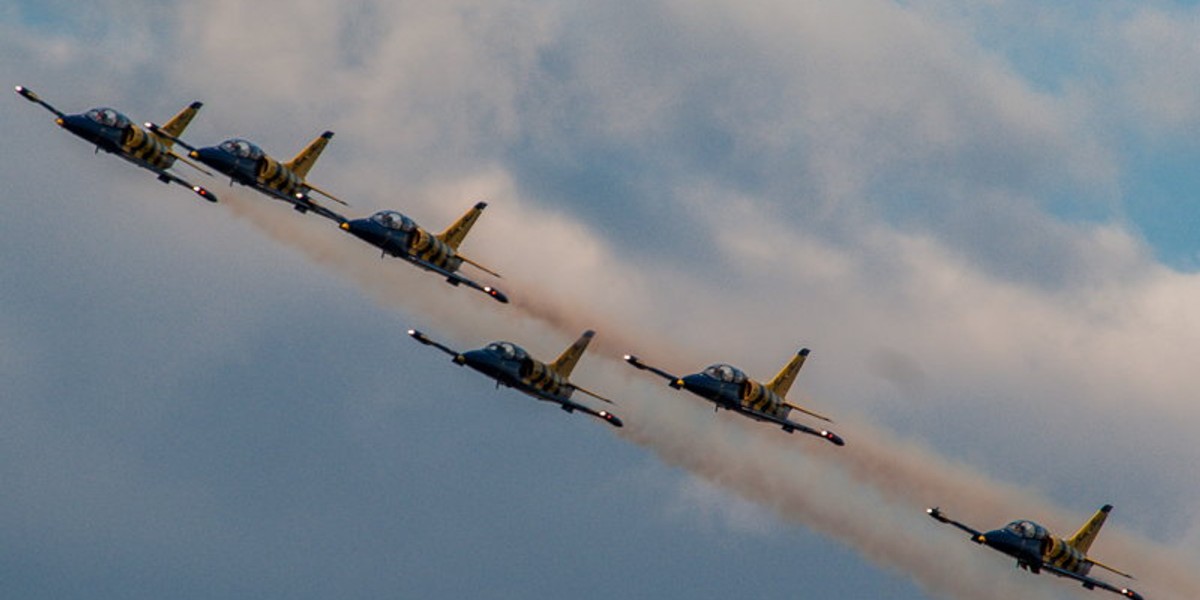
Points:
[869,495]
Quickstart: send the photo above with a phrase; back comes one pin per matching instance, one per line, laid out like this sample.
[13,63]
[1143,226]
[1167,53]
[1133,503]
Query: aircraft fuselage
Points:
[113,132]
[1036,550]
[729,388]
[245,163]
[1033,547]
[518,371]
[399,236]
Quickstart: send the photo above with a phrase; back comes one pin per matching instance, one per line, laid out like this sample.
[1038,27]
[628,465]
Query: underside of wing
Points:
[791,426]
[571,406]
[1092,582]
[166,176]
[302,203]
[457,279]
[326,194]
[637,362]
[936,514]
[424,339]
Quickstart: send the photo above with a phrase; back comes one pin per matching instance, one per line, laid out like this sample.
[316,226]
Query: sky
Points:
[980,218]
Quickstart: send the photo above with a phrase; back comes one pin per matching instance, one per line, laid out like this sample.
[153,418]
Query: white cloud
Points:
[886,196]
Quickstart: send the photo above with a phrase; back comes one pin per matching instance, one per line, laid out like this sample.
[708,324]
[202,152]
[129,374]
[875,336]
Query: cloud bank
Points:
[710,182]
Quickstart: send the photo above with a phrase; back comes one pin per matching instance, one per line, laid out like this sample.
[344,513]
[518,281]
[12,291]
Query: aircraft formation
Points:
[151,147]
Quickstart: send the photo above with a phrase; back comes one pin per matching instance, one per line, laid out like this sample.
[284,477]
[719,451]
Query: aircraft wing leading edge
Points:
[169,177]
[424,339]
[637,362]
[1091,582]
[936,514]
[456,279]
[570,406]
[790,426]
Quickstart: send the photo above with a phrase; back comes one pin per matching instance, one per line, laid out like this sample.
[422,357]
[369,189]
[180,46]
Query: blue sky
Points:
[987,238]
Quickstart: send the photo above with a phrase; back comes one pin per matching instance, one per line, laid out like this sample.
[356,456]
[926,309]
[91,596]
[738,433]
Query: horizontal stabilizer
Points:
[592,394]
[479,266]
[807,411]
[191,163]
[1110,569]
[326,194]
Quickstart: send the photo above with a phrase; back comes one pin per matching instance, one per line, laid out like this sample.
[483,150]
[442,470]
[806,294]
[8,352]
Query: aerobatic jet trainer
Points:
[511,366]
[246,163]
[728,387]
[1036,550]
[400,236]
[116,134]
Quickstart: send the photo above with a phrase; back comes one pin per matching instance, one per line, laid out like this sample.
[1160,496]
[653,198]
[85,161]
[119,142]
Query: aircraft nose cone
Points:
[483,361]
[1003,541]
[361,228]
[476,358]
[79,125]
[699,384]
[375,234]
[215,158]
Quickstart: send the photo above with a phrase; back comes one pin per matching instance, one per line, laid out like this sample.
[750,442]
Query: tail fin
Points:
[783,380]
[304,161]
[456,232]
[1082,540]
[565,363]
[174,128]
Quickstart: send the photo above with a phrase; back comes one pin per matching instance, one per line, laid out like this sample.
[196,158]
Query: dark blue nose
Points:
[216,158]
[1011,544]
[483,361]
[367,230]
[699,384]
[87,128]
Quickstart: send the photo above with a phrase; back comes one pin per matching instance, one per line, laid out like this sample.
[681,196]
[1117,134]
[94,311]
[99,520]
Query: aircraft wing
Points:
[169,177]
[303,203]
[937,515]
[1091,582]
[424,339]
[570,405]
[790,426]
[29,95]
[325,212]
[637,362]
[456,279]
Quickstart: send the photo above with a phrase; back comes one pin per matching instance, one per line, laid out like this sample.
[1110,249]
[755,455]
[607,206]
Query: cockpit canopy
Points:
[1027,529]
[108,117]
[725,373]
[507,350]
[241,148]
[394,220]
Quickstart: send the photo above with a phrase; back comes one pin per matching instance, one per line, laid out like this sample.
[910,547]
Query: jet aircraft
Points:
[728,387]
[398,235]
[511,366]
[246,163]
[1036,549]
[116,134]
